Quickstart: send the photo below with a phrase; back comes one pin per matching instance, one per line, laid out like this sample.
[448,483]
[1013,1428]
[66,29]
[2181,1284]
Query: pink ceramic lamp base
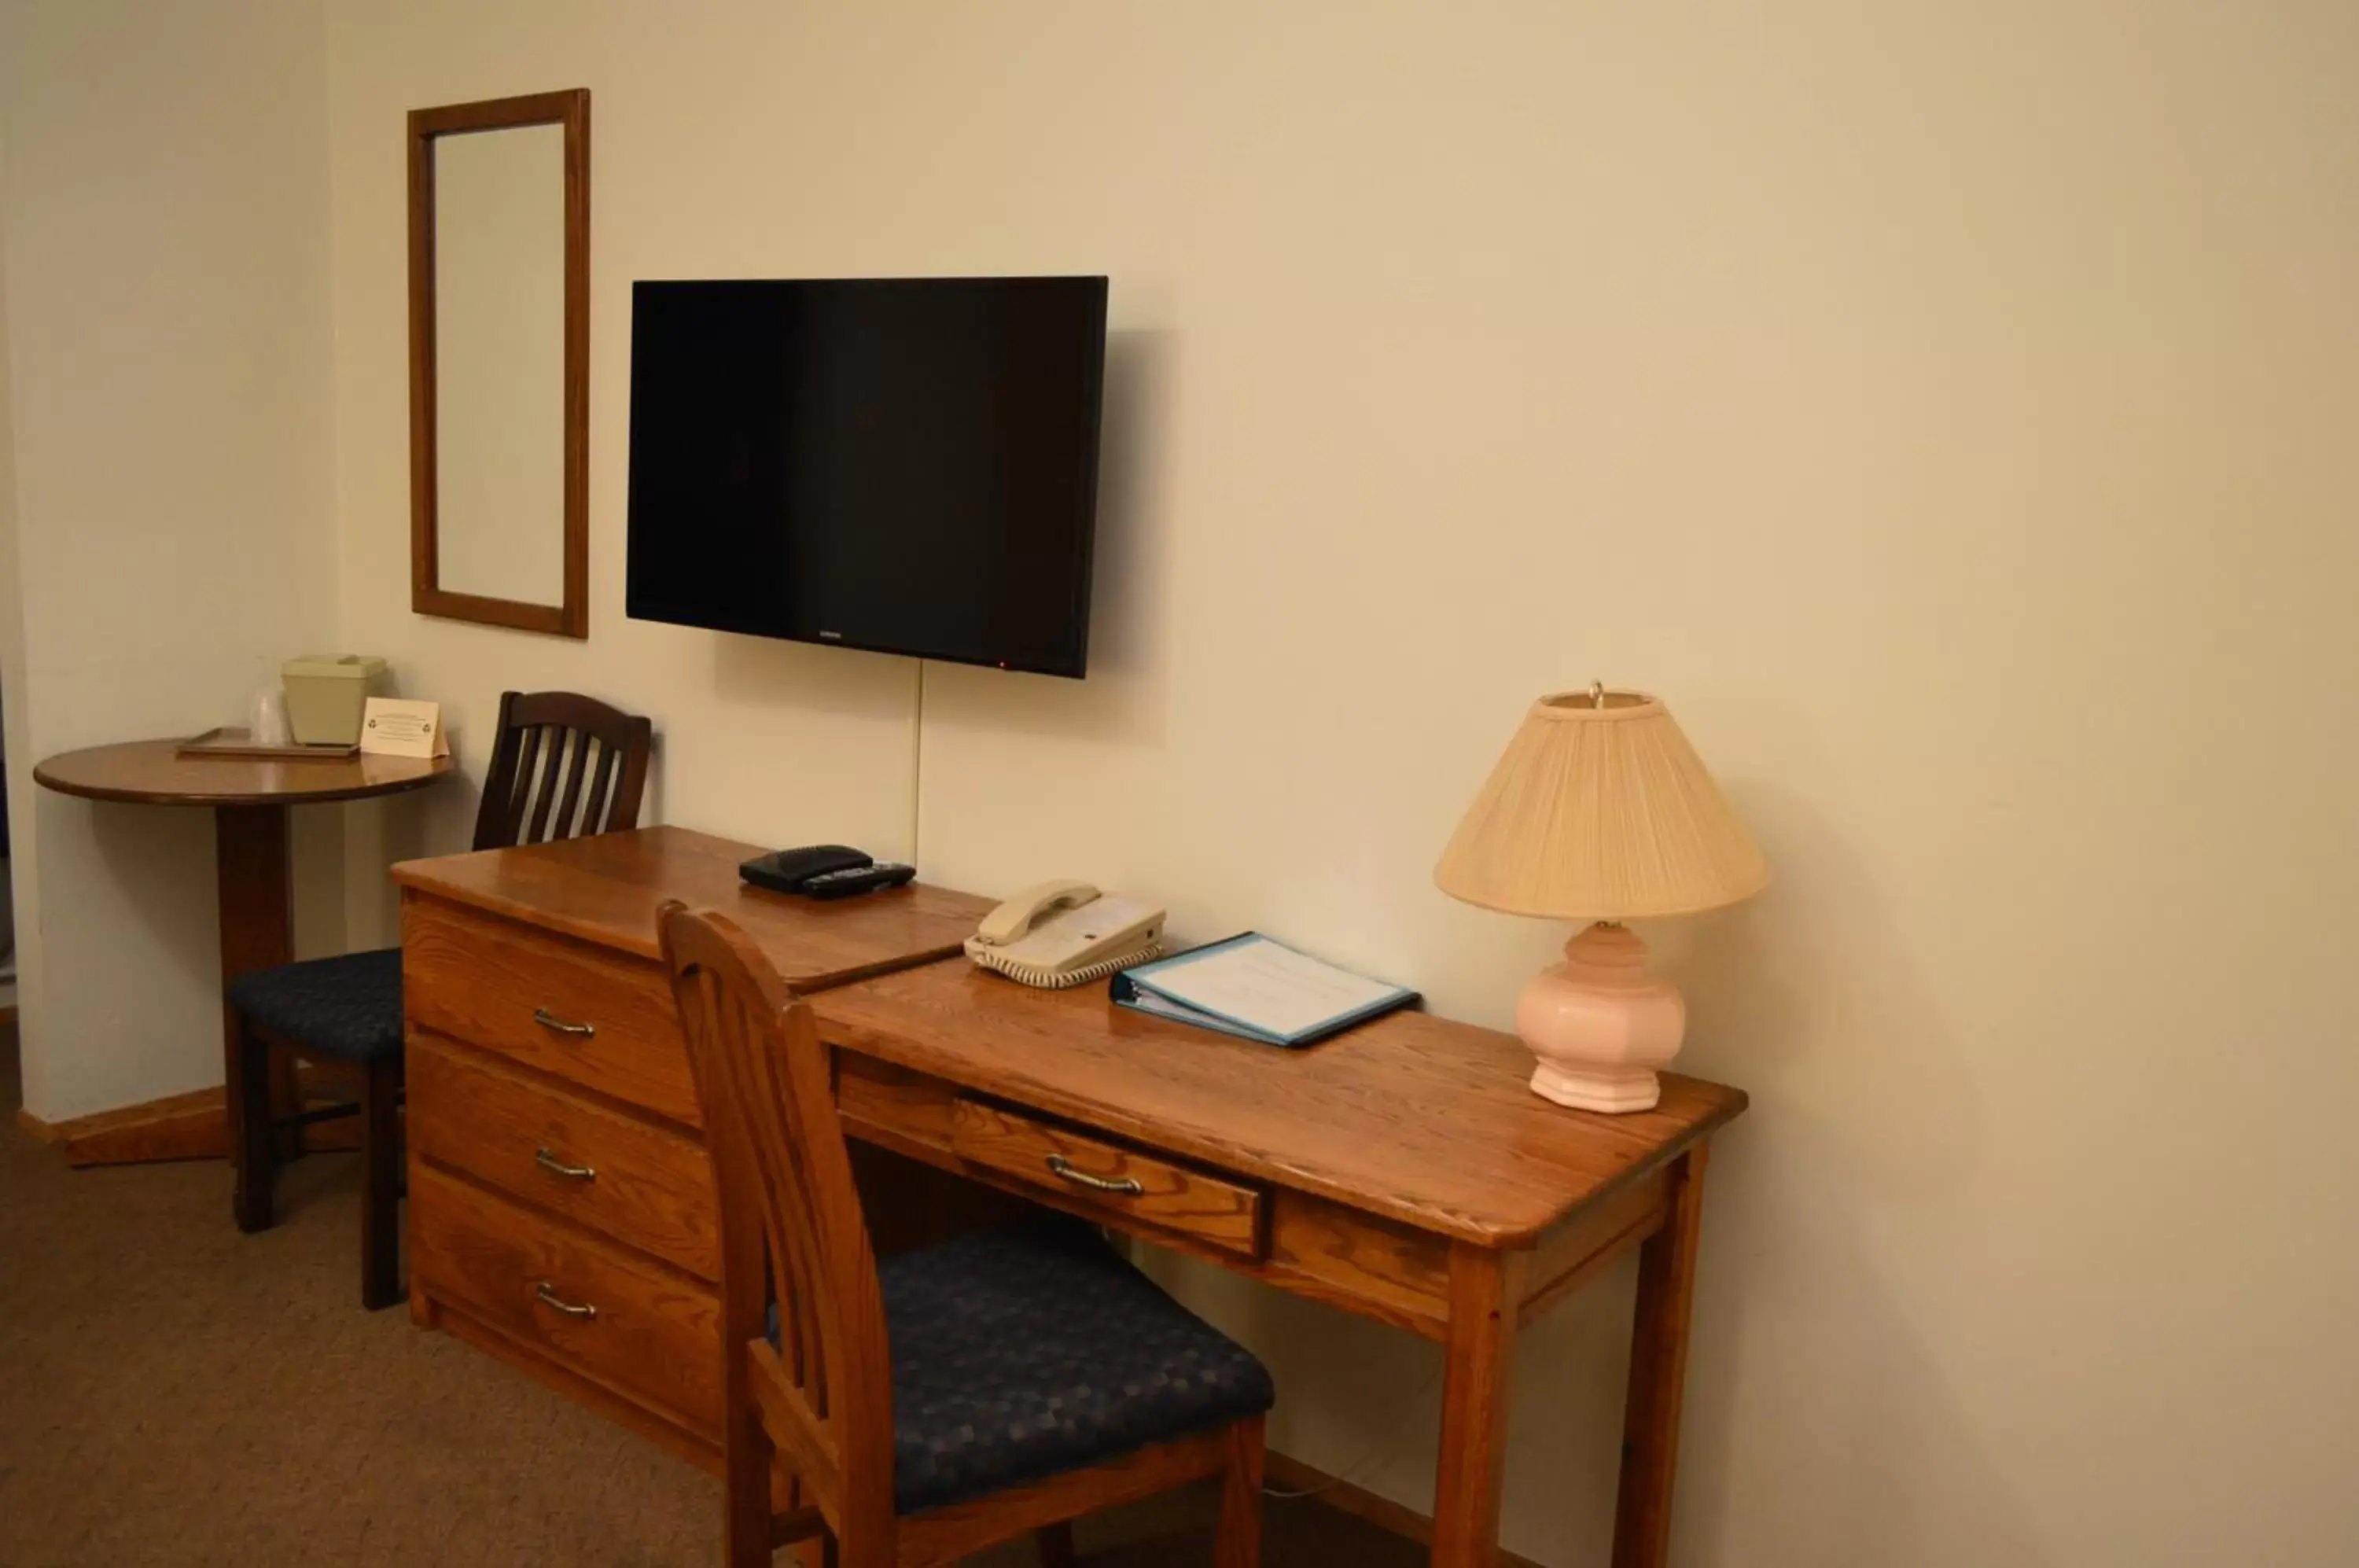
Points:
[1601,1025]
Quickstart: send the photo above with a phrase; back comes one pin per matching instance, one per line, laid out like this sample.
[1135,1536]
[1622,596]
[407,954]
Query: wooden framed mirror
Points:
[499,361]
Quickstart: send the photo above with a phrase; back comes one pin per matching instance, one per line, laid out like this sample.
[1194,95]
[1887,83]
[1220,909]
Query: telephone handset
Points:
[1065,934]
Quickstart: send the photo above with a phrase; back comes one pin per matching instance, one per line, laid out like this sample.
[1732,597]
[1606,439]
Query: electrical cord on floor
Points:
[1383,1449]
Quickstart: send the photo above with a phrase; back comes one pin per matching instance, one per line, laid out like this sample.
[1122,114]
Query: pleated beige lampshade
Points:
[1601,813]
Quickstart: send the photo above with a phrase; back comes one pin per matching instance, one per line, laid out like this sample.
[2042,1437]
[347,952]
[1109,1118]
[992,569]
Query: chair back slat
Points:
[602,788]
[497,821]
[541,796]
[781,1169]
[550,743]
[568,803]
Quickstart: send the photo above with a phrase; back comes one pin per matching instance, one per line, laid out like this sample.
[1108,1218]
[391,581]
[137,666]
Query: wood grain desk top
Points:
[604,890]
[1411,1116]
[152,773]
[1414,1117]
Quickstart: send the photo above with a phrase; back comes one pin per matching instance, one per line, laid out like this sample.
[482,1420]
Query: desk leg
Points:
[1485,1289]
[1659,1365]
[257,929]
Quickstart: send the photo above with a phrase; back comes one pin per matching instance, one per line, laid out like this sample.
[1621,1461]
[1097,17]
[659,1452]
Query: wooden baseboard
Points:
[194,1125]
[181,1127]
[35,1127]
[1283,1473]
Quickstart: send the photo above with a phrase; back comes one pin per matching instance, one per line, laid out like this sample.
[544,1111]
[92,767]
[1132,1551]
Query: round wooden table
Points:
[249,797]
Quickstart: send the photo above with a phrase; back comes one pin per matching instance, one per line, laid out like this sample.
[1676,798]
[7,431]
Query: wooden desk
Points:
[249,798]
[1402,1171]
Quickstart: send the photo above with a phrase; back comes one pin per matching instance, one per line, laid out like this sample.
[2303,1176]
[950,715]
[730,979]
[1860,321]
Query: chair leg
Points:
[381,1185]
[746,1483]
[253,1150]
[1056,1545]
[1238,1544]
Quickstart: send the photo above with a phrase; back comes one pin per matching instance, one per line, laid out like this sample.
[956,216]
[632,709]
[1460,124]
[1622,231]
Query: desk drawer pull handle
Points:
[556,1025]
[556,1167]
[1063,1167]
[547,1296]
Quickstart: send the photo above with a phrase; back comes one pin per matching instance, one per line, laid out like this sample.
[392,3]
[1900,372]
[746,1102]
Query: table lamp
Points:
[1601,812]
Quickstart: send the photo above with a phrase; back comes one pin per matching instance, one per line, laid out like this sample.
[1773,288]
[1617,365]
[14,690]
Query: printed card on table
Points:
[392,726]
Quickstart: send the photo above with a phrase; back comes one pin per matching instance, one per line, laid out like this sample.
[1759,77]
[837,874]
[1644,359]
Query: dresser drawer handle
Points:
[556,1025]
[1063,1167]
[556,1167]
[546,1295]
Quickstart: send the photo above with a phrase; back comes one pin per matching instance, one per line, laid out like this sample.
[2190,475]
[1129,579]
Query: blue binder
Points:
[1152,987]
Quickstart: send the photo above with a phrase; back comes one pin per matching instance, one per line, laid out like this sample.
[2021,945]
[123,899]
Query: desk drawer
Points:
[650,1335]
[602,1020]
[636,1180]
[1099,1174]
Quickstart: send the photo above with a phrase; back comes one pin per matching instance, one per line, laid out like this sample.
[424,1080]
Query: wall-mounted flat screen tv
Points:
[902,464]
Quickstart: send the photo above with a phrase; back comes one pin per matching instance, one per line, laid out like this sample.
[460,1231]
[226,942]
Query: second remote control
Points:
[857,879]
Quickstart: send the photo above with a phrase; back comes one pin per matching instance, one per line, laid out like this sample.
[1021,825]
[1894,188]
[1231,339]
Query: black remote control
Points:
[786,870]
[857,879]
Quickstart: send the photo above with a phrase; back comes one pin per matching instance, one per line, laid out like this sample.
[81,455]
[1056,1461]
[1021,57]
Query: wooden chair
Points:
[562,766]
[999,1383]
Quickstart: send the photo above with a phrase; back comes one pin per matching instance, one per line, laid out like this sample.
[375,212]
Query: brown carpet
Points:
[172,1392]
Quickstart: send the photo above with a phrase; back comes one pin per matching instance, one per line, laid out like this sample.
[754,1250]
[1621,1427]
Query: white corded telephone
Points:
[1065,934]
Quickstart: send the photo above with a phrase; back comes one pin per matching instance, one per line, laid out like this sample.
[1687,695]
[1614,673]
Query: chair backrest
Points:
[564,766]
[788,1202]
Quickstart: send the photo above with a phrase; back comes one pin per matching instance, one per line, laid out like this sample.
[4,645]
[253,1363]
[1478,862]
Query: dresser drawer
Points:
[1099,1174]
[602,1020]
[637,1182]
[634,1327]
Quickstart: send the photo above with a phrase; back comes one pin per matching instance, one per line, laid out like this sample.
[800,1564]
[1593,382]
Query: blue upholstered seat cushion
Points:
[1022,1353]
[348,1007]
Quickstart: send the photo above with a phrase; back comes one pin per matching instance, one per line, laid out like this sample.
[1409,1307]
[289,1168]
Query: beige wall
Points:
[165,222]
[15,742]
[1950,413]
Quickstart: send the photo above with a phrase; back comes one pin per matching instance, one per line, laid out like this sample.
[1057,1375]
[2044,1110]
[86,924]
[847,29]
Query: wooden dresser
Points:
[560,1203]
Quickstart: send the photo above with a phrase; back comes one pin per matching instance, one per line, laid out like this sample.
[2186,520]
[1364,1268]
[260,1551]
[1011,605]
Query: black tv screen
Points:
[902,464]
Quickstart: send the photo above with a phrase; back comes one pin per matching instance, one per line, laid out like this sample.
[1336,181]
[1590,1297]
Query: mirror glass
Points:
[499,363]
